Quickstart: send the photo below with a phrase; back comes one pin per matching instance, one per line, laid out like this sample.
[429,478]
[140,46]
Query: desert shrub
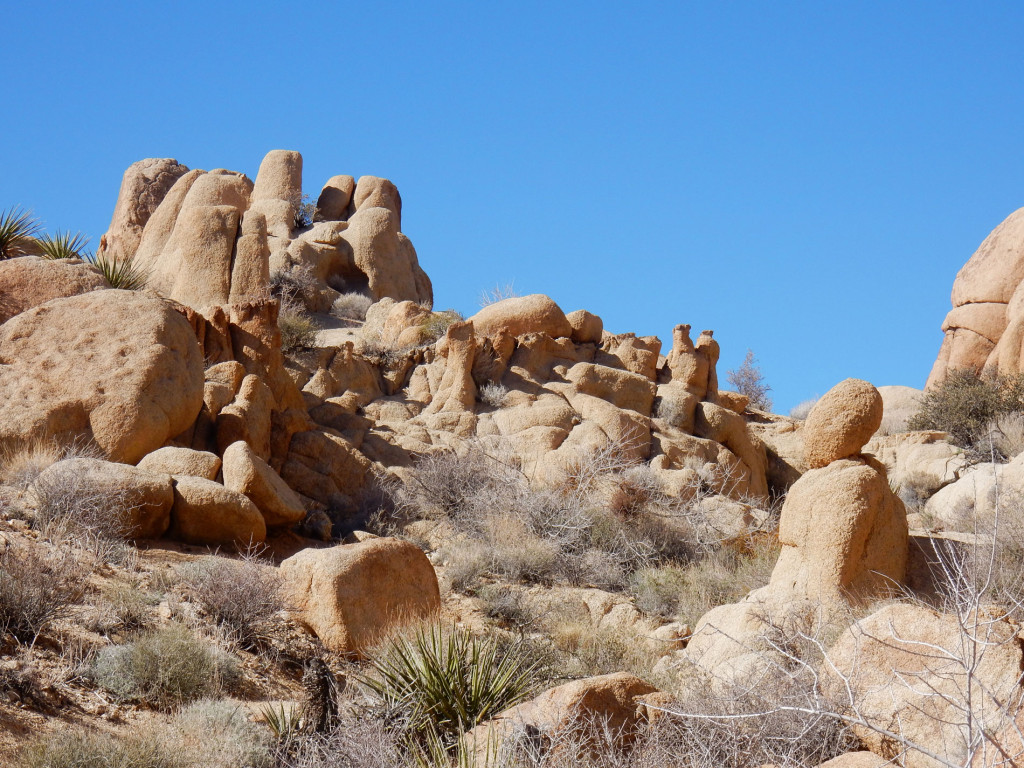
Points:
[297,286]
[493,394]
[1005,434]
[965,404]
[37,586]
[436,324]
[439,682]
[218,734]
[64,245]
[803,409]
[121,608]
[87,749]
[358,741]
[351,306]
[120,273]
[672,410]
[166,668]
[464,563]
[658,591]
[18,229]
[748,380]
[498,293]
[305,210]
[298,331]
[589,651]
[240,595]
[505,604]
[70,505]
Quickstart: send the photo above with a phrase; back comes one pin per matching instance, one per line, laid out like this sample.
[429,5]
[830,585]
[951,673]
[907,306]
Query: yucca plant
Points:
[64,245]
[18,229]
[120,273]
[441,682]
[284,722]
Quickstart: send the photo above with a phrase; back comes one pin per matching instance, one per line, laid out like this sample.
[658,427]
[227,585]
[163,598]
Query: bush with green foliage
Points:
[964,405]
[298,331]
[166,668]
[64,245]
[439,682]
[436,325]
[120,273]
[18,229]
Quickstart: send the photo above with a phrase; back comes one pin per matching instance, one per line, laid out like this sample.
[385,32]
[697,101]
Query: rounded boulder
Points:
[207,513]
[521,315]
[842,422]
[172,460]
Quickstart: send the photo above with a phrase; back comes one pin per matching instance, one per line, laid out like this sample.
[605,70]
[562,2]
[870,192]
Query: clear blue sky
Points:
[804,178]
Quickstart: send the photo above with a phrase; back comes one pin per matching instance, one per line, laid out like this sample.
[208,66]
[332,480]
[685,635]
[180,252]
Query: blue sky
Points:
[804,178]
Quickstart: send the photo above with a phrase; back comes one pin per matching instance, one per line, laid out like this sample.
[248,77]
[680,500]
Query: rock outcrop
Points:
[133,382]
[985,328]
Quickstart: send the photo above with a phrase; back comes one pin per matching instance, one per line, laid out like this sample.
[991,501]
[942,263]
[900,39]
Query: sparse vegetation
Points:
[803,409]
[167,667]
[37,586]
[436,325]
[298,331]
[748,380]
[240,595]
[351,306]
[498,293]
[493,394]
[964,405]
[64,245]
[18,229]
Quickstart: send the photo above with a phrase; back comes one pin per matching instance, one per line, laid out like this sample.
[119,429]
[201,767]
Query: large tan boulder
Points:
[622,389]
[976,497]
[841,422]
[144,186]
[133,381]
[143,498]
[612,701]
[923,462]
[843,534]
[521,315]
[587,328]
[161,223]
[350,596]
[207,513]
[922,674]
[335,199]
[172,460]
[29,281]
[248,474]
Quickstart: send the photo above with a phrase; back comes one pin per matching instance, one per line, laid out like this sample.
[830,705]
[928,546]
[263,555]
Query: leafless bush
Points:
[298,331]
[358,742]
[1006,434]
[747,380]
[673,411]
[498,293]
[240,595]
[37,586]
[351,306]
[493,394]
[297,286]
[802,409]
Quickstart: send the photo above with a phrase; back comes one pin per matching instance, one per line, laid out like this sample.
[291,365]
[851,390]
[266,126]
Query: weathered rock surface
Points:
[144,186]
[521,315]
[29,281]
[209,514]
[135,379]
[841,422]
[352,595]
[248,474]
[182,461]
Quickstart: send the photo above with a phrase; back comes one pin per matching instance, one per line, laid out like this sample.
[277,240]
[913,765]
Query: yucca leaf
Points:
[18,227]
[120,273]
[64,245]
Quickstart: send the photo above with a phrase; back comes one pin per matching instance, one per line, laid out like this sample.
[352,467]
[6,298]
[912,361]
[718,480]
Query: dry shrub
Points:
[166,668]
[70,505]
[493,394]
[298,331]
[359,741]
[22,462]
[964,405]
[436,325]
[298,287]
[464,563]
[121,607]
[803,409]
[37,586]
[498,293]
[351,306]
[1005,433]
[239,595]
[88,749]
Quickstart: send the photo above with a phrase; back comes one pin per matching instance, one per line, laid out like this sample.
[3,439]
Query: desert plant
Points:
[22,462]
[498,293]
[802,409]
[120,273]
[436,324]
[298,286]
[493,394]
[748,380]
[215,733]
[442,682]
[64,245]
[166,667]
[298,331]
[240,595]
[18,229]
[964,404]
[1005,433]
[80,748]
[305,210]
[122,607]
[351,306]
[37,586]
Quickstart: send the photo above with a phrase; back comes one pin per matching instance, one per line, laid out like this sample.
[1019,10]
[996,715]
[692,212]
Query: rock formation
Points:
[985,328]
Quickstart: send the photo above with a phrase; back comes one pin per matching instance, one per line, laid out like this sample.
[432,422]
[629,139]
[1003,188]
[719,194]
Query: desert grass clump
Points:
[239,595]
[498,293]
[803,409]
[439,682]
[22,462]
[965,404]
[215,733]
[37,586]
[436,324]
[18,229]
[121,607]
[493,394]
[120,273]
[351,306]
[64,245]
[165,668]
[80,748]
